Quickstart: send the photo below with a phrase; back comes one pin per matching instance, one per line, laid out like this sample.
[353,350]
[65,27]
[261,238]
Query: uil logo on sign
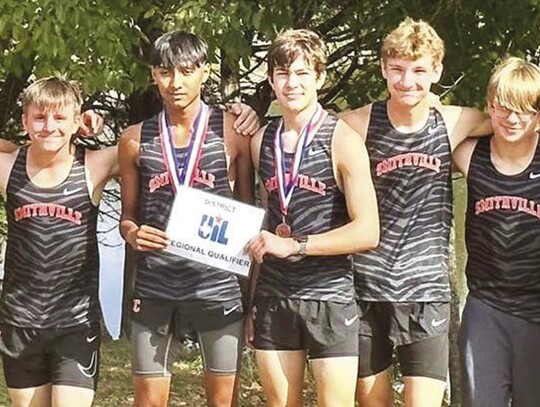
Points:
[214,228]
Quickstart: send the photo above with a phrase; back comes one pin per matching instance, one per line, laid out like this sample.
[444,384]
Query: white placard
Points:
[213,230]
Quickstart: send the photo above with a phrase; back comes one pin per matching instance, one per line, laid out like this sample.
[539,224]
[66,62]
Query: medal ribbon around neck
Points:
[286,185]
[183,175]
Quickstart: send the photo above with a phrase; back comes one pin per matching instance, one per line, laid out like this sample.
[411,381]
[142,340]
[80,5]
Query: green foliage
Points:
[103,43]
[91,41]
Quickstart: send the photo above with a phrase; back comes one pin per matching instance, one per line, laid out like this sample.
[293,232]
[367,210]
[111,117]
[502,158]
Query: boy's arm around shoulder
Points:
[102,166]
[241,167]
[358,119]
[464,122]
[7,146]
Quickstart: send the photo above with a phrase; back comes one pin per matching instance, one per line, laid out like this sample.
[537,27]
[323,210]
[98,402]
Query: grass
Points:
[186,390]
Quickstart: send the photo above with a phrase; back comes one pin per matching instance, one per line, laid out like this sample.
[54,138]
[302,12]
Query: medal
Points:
[180,175]
[283,230]
[287,178]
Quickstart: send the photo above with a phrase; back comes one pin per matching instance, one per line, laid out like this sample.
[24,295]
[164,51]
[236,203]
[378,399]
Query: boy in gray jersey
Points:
[321,206]
[403,284]
[49,307]
[500,331]
[174,296]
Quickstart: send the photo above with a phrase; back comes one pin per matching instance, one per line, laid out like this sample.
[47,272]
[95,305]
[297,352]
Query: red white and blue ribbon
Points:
[180,175]
[287,178]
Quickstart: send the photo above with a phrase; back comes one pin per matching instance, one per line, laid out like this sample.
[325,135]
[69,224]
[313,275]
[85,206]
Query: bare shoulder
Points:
[7,160]
[347,144]
[256,142]
[463,153]
[131,134]
[344,133]
[129,143]
[257,138]
[104,160]
[450,112]
[358,119]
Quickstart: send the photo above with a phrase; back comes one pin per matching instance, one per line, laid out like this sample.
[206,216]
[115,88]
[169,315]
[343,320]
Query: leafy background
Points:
[103,44]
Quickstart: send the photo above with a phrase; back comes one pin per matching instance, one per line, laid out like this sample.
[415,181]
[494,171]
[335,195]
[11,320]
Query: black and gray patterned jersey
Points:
[317,205]
[503,235]
[164,275]
[52,260]
[412,178]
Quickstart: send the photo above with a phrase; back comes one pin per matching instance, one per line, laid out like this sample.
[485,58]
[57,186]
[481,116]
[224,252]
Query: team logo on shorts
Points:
[214,228]
[136,305]
[90,370]
[350,321]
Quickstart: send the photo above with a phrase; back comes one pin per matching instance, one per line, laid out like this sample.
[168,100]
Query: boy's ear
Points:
[24,120]
[269,77]
[437,72]
[206,71]
[383,68]
[320,79]
[78,118]
[153,73]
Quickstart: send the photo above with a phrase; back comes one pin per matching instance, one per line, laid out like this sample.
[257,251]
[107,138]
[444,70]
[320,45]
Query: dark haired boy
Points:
[187,144]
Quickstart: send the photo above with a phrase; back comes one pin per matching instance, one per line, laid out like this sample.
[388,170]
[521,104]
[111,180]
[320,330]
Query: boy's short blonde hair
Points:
[52,92]
[412,40]
[515,85]
[291,44]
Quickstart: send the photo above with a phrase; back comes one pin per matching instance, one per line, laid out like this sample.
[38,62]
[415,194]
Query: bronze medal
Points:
[283,230]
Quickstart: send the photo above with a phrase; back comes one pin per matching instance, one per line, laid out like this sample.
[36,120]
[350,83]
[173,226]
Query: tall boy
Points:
[500,331]
[320,206]
[403,284]
[49,308]
[192,144]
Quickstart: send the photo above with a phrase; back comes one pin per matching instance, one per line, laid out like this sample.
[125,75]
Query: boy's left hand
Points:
[246,123]
[91,123]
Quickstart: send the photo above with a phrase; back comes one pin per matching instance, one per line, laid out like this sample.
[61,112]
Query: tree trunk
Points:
[458,285]
[455,376]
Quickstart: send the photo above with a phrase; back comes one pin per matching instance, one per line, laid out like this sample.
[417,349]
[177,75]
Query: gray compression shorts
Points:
[153,353]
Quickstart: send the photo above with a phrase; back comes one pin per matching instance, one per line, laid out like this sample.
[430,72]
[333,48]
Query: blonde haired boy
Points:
[402,285]
[49,307]
[500,331]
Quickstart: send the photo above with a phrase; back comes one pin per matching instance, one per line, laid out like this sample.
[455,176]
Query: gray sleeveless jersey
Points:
[163,275]
[503,235]
[317,205]
[52,260]
[412,177]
